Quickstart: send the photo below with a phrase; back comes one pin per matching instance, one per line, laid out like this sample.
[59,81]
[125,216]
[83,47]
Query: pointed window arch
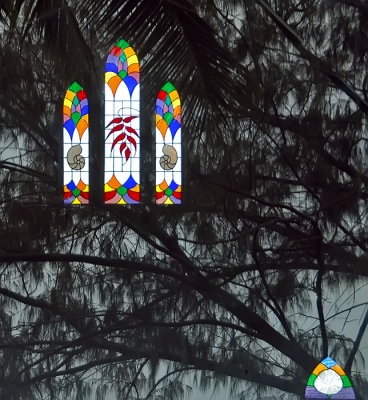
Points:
[329,381]
[76,146]
[168,146]
[122,126]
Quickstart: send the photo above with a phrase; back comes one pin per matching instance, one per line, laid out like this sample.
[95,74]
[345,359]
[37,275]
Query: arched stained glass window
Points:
[122,126]
[168,146]
[329,381]
[76,146]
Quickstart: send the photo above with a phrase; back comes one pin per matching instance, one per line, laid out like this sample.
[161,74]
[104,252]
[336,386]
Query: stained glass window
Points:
[168,146]
[76,146]
[329,381]
[122,111]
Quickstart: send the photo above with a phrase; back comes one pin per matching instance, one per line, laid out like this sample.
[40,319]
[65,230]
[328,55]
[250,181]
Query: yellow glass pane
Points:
[108,188]
[176,103]
[67,103]
[109,75]
[168,201]
[132,60]
[135,188]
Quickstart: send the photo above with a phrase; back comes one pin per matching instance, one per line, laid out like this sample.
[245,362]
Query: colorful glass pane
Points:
[76,146]
[122,130]
[168,146]
[329,381]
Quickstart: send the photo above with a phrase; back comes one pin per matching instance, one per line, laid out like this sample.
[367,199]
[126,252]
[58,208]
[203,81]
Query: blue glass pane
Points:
[131,83]
[160,103]
[111,68]
[173,185]
[111,59]
[174,126]
[175,200]
[84,110]
[130,183]
[71,185]
[328,362]
[70,127]
[84,102]
[69,200]
[129,200]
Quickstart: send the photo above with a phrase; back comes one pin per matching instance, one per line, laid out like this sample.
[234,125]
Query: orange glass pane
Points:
[133,68]
[114,183]
[81,126]
[114,83]
[163,185]
[338,369]
[162,126]
[320,367]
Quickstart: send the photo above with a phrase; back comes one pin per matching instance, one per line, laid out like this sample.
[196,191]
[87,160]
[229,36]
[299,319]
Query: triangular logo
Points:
[329,381]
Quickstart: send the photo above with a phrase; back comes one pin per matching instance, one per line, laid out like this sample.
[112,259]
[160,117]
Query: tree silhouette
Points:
[259,274]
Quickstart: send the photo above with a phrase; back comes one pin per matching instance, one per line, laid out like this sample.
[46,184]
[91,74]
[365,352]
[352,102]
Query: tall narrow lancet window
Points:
[168,146]
[329,381]
[122,109]
[76,146]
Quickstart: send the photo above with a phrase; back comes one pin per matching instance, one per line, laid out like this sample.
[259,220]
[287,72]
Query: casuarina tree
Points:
[261,271]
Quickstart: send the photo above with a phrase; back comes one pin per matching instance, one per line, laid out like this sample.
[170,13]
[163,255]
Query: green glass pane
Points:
[122,44]
[311,380]
[346,381]
[168,87]
[75,87]
[75,101]
[76,192]
[123,74]
[76,117]
[122,58]
[122,190]
[168,192]
[168,101]
[168,117]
